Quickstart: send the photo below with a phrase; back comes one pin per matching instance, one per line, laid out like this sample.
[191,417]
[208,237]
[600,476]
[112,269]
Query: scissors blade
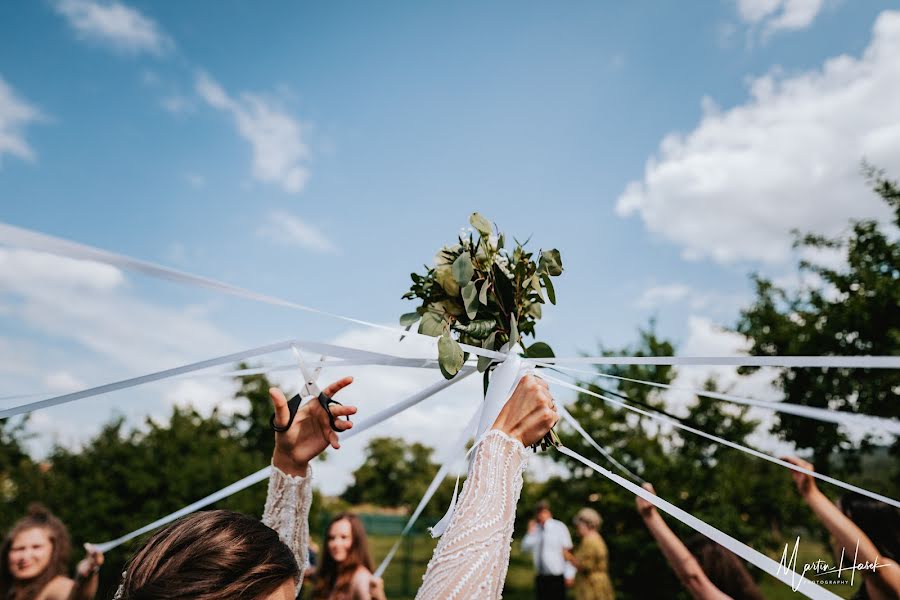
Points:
[309,379]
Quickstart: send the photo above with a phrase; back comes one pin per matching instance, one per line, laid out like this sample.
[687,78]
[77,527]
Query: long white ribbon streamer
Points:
[264,473]
[819,414]
[18,236]
[447,460]
[725,442]
[754,557]
[136,381]
[853,362]
[590,440]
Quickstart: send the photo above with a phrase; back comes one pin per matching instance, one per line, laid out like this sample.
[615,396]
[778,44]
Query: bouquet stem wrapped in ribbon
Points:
[481,294]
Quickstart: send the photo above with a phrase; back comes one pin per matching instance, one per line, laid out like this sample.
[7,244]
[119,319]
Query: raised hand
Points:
[645,509]
[311,432]
[91,562]
[529,413]
[806,484]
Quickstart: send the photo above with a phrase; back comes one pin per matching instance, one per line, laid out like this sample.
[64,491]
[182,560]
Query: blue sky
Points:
[321,152]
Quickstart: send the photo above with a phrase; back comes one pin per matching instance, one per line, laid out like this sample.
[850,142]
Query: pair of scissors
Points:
[312,389]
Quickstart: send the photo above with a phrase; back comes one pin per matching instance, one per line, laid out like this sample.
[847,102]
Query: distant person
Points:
[708,571]
[859,521]
[590,559]
[345,569]
[547,540]
[35,558]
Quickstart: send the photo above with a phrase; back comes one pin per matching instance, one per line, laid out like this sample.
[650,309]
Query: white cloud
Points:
[15,115]
[779,15]
[734,187]
[89,303]
[285,228]
[659,295]
[113,24]
[62,382]
[280,154]
[195,180]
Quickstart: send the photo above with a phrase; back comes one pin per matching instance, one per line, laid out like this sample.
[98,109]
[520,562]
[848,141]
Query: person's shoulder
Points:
[58,589]
[559,524]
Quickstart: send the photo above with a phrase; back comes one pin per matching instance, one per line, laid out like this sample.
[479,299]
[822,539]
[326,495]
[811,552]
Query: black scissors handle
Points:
[293,405]
[325,401]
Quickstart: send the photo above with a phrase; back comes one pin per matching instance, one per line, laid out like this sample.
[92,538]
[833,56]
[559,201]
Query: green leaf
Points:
[483,363]
[551,293]
[539,350]
[450,356]
[551,262]
[479,329]
[470,299]
[483,294]
[504,289]
[409,318]
[462,269]
[480,223]
[513,331]
[431,324]
[534,310]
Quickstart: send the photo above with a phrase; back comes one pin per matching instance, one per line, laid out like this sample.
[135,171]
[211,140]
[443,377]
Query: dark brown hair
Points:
[724,569]
[212,555]
[38,517]
[333,577]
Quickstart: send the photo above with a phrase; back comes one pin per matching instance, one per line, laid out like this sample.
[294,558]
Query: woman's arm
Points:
[677,555]
[886,580]
[472,557]
[87,577]
[290,485]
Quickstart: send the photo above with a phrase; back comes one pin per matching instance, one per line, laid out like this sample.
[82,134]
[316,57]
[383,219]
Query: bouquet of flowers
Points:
[481,294]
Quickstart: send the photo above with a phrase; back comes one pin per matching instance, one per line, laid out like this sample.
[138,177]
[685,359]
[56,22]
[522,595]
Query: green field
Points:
[405,573]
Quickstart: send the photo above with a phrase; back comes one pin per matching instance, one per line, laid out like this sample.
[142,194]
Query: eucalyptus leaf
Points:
[483,363]
[483,294]
[551,261]
[513,331]
[462,268]
[409,318]
[450,356]
[539,350]
[470,299]
[479,329]
[551,293]
[534,310]
[481,224]
[431,324]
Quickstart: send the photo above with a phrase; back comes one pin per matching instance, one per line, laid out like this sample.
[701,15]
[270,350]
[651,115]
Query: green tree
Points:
[746,497]
[850,310]
[396,474]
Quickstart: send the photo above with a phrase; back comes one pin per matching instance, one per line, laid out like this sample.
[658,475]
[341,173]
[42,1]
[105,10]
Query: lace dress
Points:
[287,512]
[472,557]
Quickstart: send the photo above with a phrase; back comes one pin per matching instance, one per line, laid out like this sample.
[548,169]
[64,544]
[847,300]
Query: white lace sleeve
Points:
[287,512]
[472,557]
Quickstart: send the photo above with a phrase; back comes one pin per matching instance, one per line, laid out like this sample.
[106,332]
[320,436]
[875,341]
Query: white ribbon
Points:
[584,434]
[854,362]
[819,414]
[18,236]
[736,446]
[264,473]
[783,573]
[448,458]
[136,381]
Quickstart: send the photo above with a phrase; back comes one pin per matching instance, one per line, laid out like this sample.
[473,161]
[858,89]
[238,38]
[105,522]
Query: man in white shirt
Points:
[547,538]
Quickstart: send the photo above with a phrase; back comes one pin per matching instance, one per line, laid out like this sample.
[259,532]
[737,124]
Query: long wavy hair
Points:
[879,521]
[37,517]
[724,569]
[333,579]
[212,555]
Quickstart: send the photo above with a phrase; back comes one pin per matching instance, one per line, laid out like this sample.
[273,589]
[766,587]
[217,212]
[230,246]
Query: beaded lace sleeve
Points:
[287,512]
[472,557]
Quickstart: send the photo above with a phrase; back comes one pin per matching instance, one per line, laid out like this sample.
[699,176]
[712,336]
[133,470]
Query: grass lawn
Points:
[403,576]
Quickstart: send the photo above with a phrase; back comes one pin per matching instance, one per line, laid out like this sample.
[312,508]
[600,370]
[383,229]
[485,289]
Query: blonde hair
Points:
[589,517]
